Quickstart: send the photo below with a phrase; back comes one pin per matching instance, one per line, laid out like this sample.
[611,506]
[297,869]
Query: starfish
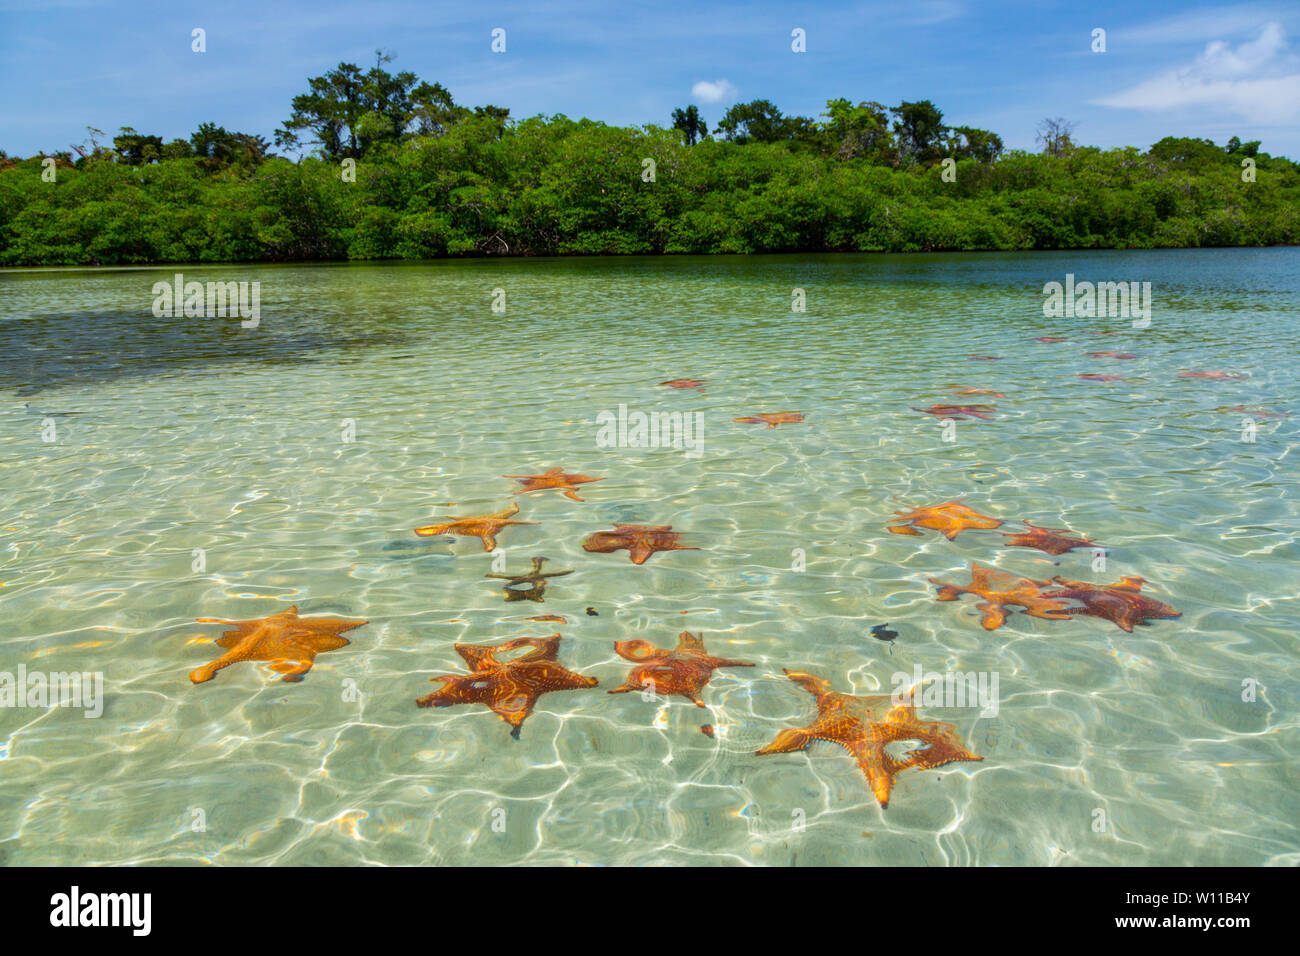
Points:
[771,419]
[510,688]
[1051,540]
[962,390]
[555,478]
[957,411]
[483,527]
[549,617]
[684,383]
[865,727]
[1099,377]
[986,358]
[640,540]
[1114,355]
[1051,338]
[951,517]
[1119,602]
[1213,376]
[998,589]
[535,580]
[288,641]
[1257,412]
[684,670]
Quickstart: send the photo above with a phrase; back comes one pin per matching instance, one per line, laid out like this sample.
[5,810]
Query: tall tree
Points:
[852,132]
[967,142]
[135,149]
[1055,134]
[689,122]
[920,130]
[347,112]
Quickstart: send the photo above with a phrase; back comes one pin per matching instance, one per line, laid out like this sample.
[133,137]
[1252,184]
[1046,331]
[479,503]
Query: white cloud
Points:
[1198,26]
[713,91]
[1258,81]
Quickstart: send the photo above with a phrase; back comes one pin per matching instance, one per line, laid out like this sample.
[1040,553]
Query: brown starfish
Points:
[684,383]
[483,527]
[510,688]
[535,580]
[951,517]
[288,641]
[1099,377]
[986,358]
[641,541]
[957,411]
[1120,602]
[555,478]
[772,419]
[1051,338]
[1051,540]
[549,617]
[998,589]
[962,390]
[857,725]
[1213,376]
[1114,355]
[684,670]
[1257,412]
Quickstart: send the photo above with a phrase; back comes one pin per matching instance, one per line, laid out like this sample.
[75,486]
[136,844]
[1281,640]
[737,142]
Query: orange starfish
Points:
[1257,412]
[1050,338]
[641,541]
[1213,376]
[1099,377]
[1051,540]
[957,411]
[1119,602]
[998,589]
[772,419]
[951,517]
[555,478]
[684,670]
[856,724]
[483,527]
[510,688]
[288,641]
[962,390]
[684,383]
[1114,355]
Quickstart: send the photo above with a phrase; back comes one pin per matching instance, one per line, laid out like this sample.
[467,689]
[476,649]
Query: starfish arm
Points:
[293,670]
[787,741]
[640,552]
[723,662]
[903,529]
[208,671]
[995,615]
[428,531]
[638,650]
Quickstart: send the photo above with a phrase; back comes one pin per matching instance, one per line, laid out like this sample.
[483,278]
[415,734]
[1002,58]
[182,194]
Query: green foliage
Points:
[433,180]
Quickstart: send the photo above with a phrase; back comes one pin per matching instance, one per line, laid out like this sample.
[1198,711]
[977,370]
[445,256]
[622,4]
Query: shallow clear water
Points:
[193,434]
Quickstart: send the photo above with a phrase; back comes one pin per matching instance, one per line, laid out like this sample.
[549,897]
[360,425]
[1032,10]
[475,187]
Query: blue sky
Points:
[1210,70]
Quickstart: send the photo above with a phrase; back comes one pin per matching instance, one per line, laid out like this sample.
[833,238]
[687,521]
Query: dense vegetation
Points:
[395,169]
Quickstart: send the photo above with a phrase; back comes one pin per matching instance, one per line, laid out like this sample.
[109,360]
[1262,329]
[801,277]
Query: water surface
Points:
[173,436]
